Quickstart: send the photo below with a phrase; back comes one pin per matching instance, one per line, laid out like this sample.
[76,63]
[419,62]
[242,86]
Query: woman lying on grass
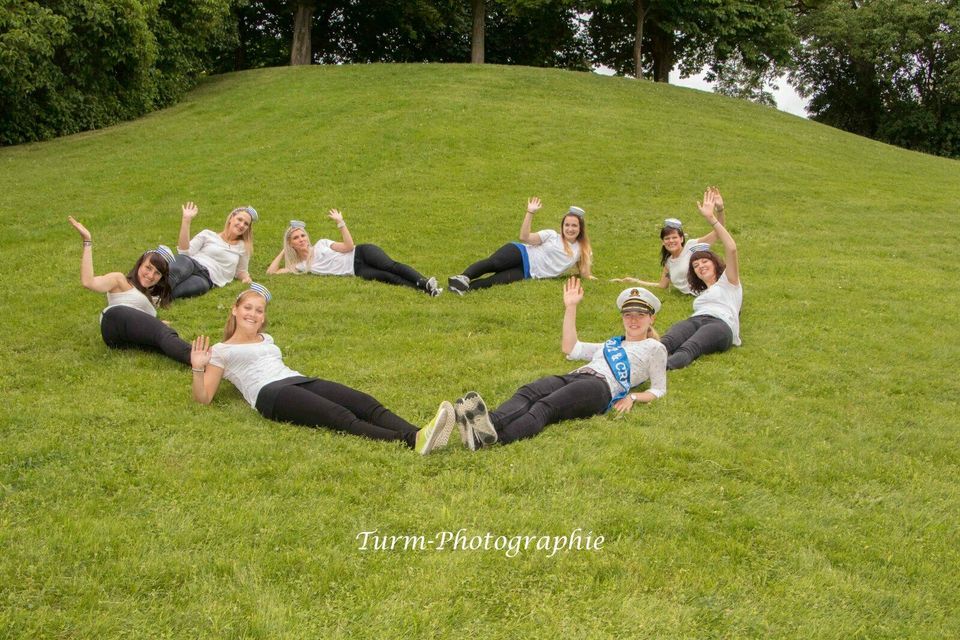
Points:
[544,254]
[212,259]
[715,323]
[675,250]
[617,365]
[130,319]
[329,258]
[253,363]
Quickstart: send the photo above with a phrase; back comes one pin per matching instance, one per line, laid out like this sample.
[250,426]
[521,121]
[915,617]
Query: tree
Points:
[641,37]
[301,51]
[886,69]
[479,18]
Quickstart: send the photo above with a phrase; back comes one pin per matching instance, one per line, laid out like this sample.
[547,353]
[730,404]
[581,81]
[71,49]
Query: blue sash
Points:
[525,258]
[619,364]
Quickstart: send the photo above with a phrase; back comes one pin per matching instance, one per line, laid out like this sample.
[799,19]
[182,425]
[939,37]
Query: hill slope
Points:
[802,485]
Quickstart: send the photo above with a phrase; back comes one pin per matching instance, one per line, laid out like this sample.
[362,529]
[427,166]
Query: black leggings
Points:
[548,400]
[188,277]
[506,265]
[321,403]
[696,336]
[370,262]
[126,328]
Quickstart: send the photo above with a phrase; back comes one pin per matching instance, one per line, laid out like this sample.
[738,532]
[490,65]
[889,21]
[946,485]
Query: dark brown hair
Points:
[664,254]
[162,291]
[696,284]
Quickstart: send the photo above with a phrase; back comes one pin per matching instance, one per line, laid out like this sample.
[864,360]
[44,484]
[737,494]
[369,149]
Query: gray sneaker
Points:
[431,288]
[478,431]
[459,284]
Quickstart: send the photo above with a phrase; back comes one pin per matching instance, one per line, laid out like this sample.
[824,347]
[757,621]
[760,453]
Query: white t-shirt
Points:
[648,361]
[134,298]
[722,300]
[328,262]
[680,266]
[222,259]
[251,367]
[548,259]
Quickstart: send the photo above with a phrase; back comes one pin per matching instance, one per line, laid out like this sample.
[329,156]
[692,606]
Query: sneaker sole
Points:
[478,420]
[463,425]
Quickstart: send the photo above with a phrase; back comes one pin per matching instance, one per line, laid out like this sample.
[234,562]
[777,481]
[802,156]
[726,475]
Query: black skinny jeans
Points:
[126,328]
[506,265]
[370,262]
[548,400]
[321,403]
[696,336]
[188,278]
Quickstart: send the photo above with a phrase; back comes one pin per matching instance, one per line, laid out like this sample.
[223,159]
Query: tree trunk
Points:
[301,51]
[662,54]
[641,12]
[479,17]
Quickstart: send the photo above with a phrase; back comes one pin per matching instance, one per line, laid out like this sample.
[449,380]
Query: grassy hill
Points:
[803,485]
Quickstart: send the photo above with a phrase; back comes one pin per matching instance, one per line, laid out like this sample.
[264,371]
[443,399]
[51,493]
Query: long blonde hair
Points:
[231,327]
[585,262]
[290,257]
[247,236]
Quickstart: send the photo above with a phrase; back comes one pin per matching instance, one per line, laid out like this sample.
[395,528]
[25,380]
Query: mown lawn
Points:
[801,486]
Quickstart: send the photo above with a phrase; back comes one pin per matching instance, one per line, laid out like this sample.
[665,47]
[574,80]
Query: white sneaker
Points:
[478,430]
[459,284]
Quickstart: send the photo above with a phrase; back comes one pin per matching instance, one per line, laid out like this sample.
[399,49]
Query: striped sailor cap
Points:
[700,246]
[164,252]
[638,299]
[254,216]
[577,211]
[298,224]
[256,287]
[673,223]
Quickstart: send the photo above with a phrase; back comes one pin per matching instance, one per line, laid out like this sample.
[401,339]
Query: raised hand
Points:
[717,201]
[82,230]
[709,202]
[335,215]
[190,211]
[572,292]
[200,352]
[533,205]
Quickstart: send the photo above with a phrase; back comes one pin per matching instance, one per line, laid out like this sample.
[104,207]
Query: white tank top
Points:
[132,298]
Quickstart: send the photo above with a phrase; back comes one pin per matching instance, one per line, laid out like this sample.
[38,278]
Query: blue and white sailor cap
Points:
[256,287]
[576,211]
[164,252]
[673,223]
[638,299]
[700,246]
[298,224]
[254,216]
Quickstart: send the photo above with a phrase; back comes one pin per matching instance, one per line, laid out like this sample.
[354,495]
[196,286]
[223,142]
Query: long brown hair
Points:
[161,292]
[231,327]
[585,262]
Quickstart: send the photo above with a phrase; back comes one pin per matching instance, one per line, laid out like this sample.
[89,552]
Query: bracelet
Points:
[88,243]
[198,370]
[714,223]
[341,225]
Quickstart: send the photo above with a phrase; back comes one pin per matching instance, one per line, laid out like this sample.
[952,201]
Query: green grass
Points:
[801,486]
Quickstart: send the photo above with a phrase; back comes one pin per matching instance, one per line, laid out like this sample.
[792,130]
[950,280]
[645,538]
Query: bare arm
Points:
[572,295]
[206,377]
[533,239]
[275,267]
[729,246]
[108,283]
[189,213]
[346,244]
[663,283]
[718,212]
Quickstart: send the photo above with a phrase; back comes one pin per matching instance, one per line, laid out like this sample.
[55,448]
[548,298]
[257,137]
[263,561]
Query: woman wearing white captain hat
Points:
[615,367]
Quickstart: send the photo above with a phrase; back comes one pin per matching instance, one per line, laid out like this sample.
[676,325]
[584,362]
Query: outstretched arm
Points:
[572,295]
[108,283]
[720,214]
[206,377]
[533,205]
[729,246]
[346,244]
[663,283]
[189,213]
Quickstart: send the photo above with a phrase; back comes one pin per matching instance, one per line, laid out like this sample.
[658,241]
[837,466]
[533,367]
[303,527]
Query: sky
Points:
[787,99]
